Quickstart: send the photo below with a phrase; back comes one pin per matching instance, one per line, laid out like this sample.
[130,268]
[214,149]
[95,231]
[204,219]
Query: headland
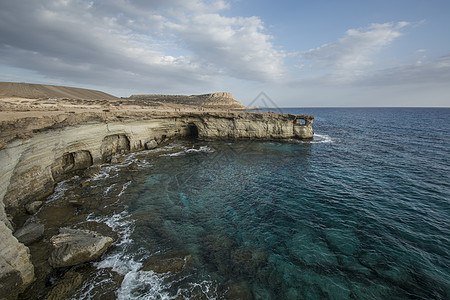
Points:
[49,132]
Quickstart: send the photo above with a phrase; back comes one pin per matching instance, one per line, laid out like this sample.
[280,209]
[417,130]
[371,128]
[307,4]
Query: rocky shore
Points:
[43,140]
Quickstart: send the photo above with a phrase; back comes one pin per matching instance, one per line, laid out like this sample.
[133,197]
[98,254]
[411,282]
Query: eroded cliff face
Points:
[16,270]
[56,145]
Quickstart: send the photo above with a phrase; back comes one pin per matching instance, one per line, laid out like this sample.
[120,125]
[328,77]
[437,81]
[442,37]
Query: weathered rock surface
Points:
[16,269]
[30,233]
[76,246]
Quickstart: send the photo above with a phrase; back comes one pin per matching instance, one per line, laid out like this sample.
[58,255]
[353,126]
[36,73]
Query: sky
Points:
[349,53]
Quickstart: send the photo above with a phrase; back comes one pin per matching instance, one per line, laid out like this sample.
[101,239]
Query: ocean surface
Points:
[360,212]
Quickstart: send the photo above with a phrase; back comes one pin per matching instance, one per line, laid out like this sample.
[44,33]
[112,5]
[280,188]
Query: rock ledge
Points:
[76,246]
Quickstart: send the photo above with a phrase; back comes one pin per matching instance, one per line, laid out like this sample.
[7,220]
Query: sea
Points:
[362,211]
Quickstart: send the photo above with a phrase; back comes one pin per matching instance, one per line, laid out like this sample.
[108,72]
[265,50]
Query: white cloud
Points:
[236,46]
[152,44]
[351,55]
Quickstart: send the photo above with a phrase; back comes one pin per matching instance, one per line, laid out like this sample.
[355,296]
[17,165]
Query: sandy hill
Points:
[35,91]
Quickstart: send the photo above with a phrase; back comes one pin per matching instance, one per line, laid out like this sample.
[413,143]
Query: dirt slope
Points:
[28,90]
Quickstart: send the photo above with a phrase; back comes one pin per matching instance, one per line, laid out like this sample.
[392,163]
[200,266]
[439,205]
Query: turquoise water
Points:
[361,212]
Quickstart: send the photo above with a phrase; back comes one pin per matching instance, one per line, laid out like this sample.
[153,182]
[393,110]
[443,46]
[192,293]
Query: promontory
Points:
[48,132]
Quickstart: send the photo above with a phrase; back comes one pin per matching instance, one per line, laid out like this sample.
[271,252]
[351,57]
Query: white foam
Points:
[322,138]
[204,149]
[124,187]
[105,193]
[119,223]
[143,285]
[60,189]
[106,172]
[136,284]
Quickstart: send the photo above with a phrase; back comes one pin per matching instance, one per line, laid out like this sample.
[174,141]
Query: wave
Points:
[204,149]
[136,284]
[60,189]
[124,187]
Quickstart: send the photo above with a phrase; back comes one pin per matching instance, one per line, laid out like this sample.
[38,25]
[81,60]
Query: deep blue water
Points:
[361,212]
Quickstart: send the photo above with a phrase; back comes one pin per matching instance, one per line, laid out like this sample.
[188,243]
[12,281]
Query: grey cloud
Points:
[435,72]
[132,42]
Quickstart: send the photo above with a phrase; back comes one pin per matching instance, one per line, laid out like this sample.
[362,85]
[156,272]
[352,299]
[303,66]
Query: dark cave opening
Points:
[193,130]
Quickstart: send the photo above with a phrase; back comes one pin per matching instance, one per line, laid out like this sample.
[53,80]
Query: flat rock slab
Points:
[75,246]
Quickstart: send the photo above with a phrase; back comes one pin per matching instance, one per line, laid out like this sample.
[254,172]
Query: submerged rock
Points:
[76,246]
[237,292]
[216,250]
[307,248]
[173,262]
[30,233]
[247,260]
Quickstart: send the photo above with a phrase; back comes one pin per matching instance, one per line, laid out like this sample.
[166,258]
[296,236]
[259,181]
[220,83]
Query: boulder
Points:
[30,233]
[151,145]
[76,246]
[100,228]
[33,207]
[117,158]
[65,286]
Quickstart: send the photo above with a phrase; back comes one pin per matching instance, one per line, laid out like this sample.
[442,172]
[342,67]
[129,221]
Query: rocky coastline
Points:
[43,141]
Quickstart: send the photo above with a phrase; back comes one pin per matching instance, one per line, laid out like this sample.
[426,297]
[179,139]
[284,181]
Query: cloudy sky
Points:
[300,53]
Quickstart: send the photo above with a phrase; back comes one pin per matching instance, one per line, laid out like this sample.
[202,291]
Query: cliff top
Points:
[78,96]
[29,108]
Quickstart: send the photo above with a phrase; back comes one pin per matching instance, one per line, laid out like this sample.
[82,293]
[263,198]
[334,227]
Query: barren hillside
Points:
[35,91]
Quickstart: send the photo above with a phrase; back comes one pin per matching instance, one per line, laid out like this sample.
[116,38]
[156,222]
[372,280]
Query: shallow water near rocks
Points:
[361,212]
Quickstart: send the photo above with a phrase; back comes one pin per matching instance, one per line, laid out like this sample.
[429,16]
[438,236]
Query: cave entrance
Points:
[193,130]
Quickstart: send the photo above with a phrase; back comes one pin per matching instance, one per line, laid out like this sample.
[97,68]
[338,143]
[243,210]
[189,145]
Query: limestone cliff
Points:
[38,151]
[63,143]
[214,100]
